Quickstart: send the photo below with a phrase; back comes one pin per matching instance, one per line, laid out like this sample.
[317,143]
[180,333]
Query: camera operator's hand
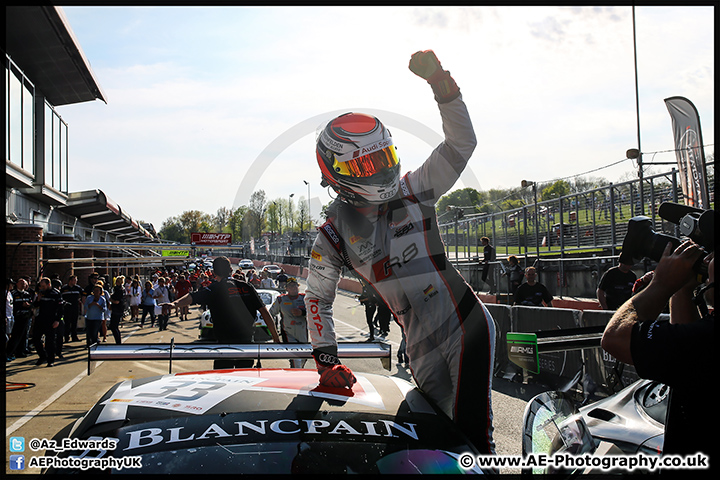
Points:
[675,271]
[674,278]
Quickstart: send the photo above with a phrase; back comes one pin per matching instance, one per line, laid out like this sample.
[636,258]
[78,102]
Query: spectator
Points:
[147,303]
[182,288]
[616,286]
[95,307]
[23,313]
[106,320]
[281,279]
[72,295]
[253,279]
[117,308]
[58,334]
[293,320]
[134,299]
[49,304]
[9,316]
[532,293]
[514,273]
[266,281]
[161,296]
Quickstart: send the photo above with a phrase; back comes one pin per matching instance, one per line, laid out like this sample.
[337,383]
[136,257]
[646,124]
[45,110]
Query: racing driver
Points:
[383,228]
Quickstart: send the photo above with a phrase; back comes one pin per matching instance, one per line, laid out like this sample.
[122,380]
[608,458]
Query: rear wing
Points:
[213,351]
[524,348]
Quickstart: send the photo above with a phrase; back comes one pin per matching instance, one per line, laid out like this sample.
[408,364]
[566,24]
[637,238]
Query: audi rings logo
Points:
[328,358]
[295,133]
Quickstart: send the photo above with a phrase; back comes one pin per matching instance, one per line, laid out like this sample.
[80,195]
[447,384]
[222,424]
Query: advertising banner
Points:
[689,151]
[211,239]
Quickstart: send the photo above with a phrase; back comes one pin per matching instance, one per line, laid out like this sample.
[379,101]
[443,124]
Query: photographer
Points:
[676,353]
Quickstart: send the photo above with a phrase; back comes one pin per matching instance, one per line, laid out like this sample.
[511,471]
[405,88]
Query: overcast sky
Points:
[207,104]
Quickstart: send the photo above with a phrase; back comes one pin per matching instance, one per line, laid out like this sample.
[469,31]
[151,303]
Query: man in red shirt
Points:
[182,288]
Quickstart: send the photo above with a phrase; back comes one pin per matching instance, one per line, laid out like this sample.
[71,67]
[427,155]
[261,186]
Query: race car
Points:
[261,333]
[629,422]
[246,264]
[271,270]
[270,421]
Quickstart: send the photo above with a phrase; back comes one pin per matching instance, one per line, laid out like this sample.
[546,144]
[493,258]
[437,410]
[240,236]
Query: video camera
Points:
[694,223]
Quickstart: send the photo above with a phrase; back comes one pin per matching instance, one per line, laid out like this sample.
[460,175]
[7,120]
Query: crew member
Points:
[233,306]
[49,304]
[616,286]
[384,229]
[293,317]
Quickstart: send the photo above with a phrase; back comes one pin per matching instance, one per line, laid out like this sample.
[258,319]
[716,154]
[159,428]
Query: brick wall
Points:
[22,260]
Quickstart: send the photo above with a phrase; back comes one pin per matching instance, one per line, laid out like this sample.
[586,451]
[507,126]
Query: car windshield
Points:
[265,297]
[302,457]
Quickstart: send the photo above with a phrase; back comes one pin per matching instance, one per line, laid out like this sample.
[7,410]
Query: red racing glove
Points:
[332,372]
[426,65]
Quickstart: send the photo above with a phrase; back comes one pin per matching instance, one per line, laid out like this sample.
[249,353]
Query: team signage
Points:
[211,239]
[176,253]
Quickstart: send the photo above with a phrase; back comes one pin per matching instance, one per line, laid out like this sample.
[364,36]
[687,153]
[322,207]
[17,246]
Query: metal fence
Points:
[586,229]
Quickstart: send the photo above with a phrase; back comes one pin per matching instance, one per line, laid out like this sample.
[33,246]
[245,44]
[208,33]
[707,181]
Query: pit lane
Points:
[63,393]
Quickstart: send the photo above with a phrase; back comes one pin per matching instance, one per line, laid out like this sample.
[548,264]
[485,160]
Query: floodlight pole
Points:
[637,114]
[524,184]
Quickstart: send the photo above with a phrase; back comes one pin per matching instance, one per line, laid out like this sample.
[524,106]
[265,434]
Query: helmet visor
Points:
[367,161]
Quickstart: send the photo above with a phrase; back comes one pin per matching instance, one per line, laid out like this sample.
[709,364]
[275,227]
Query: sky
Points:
[207,104]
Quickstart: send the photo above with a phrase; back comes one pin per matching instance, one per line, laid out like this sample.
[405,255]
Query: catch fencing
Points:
[566,237]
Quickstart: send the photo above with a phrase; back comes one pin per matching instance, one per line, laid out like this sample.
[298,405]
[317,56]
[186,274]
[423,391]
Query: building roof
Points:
[40,41]
[97,209]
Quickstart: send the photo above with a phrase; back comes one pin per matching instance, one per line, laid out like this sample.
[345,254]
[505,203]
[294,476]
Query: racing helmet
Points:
[357,159]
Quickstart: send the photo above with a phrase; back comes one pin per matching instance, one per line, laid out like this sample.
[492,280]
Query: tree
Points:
[178,229]
[221,219]
[303,216]
[172,231]
[558,189]
[465,197]
[235,222]
[255,217]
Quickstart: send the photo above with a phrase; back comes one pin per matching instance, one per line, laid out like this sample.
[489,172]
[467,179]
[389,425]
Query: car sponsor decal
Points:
[197,393]
[201,431]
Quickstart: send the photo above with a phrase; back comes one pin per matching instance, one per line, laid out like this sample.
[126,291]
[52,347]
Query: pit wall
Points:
[603,374]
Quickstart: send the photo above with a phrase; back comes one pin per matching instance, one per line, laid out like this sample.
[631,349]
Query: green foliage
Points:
[556,190]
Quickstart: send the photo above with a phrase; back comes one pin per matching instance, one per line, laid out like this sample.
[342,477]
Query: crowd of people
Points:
[42,317]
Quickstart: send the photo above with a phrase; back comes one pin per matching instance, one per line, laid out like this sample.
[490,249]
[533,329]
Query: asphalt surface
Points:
[41,401]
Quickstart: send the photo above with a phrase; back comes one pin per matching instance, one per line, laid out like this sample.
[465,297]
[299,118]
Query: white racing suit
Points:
[450,334]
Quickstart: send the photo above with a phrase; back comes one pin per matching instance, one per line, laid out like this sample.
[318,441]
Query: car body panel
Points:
[230,420]
[629,418]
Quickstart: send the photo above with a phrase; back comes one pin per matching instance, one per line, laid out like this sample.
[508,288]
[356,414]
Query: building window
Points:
[56,150]
[19,118]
